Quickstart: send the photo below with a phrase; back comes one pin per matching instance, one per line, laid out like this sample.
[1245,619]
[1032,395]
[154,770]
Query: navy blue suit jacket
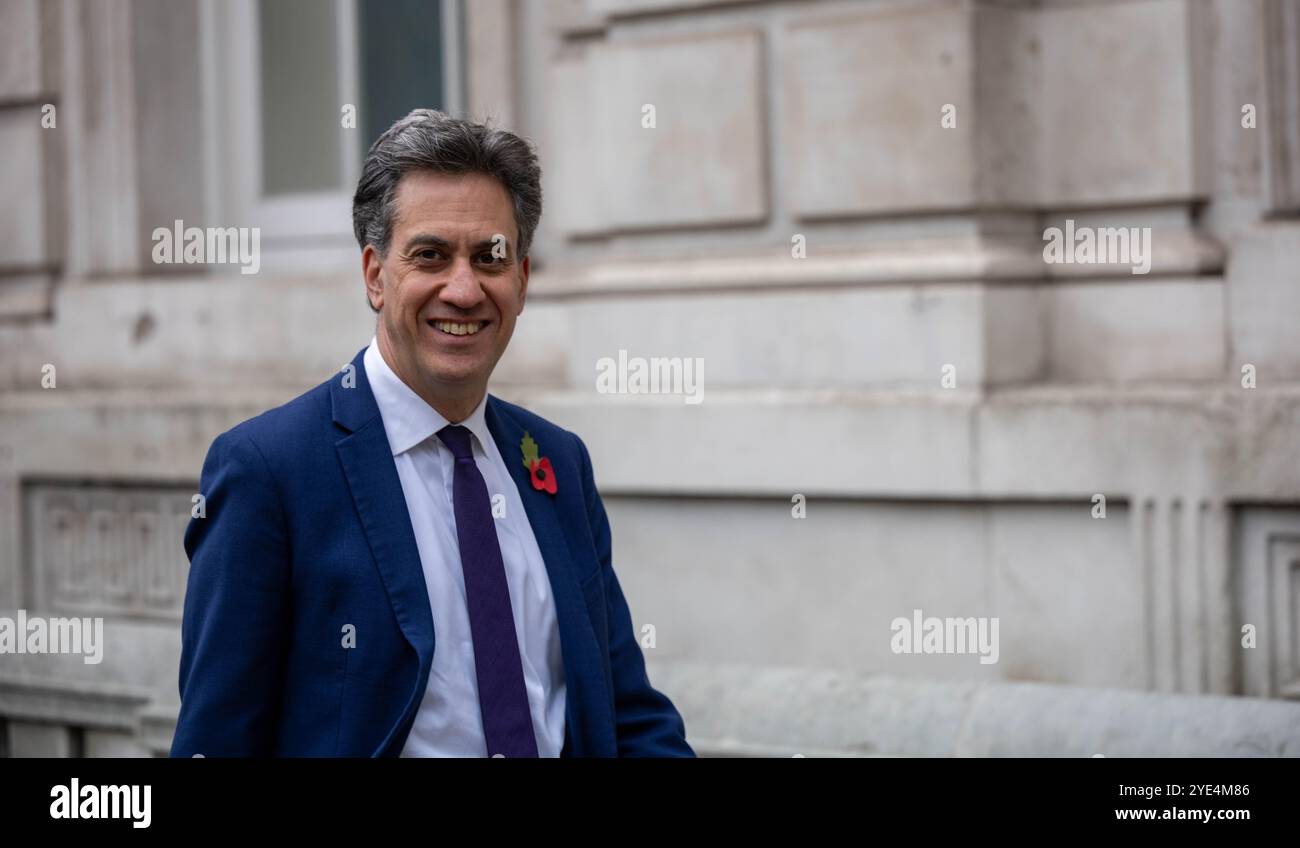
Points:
[306,531]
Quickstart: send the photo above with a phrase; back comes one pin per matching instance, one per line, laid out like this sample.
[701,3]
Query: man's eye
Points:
[489,258]
[429,254]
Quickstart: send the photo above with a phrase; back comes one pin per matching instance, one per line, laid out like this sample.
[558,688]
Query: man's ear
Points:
[524,268]
[371,266]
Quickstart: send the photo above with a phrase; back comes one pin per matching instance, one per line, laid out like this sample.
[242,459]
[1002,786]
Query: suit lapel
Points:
[584,677]
[377,493]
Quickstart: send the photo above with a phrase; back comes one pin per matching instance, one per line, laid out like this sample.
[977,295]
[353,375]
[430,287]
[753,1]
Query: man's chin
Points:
[452,375]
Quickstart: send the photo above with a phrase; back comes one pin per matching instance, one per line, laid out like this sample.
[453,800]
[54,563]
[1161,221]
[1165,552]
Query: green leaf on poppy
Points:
[530,451]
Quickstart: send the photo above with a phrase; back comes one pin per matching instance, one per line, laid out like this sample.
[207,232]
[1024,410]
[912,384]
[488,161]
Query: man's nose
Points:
[462,288]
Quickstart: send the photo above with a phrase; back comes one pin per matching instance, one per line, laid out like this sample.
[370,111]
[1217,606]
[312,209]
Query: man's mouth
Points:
[458,328]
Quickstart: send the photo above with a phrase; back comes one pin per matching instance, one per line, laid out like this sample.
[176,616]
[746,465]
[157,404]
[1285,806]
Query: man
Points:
[397,562]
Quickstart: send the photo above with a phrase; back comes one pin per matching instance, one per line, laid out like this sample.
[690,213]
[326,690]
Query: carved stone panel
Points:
[106,549]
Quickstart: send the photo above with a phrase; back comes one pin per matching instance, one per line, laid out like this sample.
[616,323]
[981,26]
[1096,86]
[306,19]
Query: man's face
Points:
[447,297]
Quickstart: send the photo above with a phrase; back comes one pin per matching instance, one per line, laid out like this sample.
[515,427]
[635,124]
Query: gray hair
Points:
[428,140]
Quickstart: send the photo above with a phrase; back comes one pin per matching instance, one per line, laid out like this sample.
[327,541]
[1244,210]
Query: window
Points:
[280,74]
[399,70]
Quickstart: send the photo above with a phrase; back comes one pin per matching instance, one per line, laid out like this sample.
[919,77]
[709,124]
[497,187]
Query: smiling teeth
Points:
[458,329]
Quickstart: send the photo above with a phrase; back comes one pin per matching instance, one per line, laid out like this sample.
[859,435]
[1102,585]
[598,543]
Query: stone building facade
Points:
[841,208]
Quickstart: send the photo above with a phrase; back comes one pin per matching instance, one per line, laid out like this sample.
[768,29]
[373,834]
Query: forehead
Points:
[451,202]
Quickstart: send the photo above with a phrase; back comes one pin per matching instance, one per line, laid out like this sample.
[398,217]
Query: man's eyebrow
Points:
[489,243]
[427,240]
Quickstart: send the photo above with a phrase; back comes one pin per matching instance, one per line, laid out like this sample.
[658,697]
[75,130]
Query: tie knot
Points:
[456,437]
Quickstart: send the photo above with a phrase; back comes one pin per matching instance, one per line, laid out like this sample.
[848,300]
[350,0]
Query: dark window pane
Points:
[401,61]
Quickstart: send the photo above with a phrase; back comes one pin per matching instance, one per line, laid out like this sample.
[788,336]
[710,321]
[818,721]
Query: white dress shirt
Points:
[449,723]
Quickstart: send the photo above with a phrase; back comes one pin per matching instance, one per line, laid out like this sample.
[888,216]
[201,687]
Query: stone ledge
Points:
[906,262]
[751,711]
[734,710]
[107,706]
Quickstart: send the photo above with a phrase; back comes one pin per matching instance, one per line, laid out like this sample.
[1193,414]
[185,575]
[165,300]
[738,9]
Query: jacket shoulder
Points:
[284,427]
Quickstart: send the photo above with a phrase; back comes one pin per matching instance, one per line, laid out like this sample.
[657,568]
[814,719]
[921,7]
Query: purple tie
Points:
[502,698]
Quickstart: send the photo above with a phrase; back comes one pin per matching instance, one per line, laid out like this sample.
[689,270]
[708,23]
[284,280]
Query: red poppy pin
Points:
[539,467]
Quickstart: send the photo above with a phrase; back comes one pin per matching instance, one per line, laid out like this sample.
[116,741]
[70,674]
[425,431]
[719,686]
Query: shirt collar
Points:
[408,420]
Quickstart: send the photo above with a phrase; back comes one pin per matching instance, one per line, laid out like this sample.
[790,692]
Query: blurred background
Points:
[840,207]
